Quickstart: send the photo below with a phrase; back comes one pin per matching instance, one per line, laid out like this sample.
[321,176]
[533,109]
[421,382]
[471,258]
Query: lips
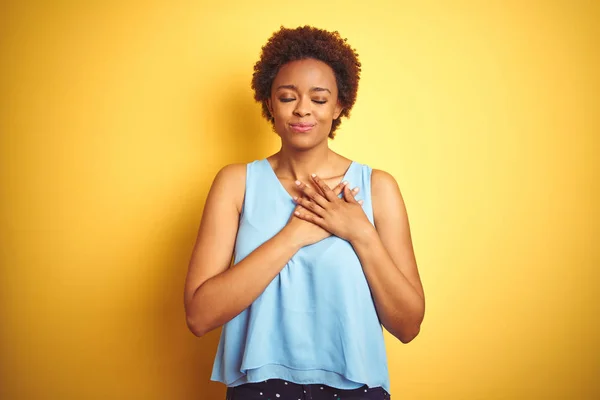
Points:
[302,127]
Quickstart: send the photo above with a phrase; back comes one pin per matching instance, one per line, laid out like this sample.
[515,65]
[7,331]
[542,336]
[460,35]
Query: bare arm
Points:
[389,263]
[385,251]
[215,293]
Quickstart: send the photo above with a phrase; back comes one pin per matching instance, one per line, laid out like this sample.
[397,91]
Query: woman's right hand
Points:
[305,233]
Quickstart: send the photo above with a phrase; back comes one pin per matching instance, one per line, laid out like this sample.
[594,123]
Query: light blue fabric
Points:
[316,321]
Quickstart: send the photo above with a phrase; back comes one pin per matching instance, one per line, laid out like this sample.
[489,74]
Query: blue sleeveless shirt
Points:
[316,322]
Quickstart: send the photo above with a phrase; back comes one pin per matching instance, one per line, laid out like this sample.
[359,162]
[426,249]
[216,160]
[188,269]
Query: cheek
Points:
[326,113]
[281,110]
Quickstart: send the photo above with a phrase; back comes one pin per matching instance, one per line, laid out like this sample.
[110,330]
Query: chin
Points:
[303,142]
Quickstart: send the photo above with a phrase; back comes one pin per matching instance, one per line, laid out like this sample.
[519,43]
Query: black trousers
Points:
[277,389]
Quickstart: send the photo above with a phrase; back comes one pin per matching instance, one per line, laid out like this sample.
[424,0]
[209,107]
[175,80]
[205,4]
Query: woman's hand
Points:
[306,233]
[344,217]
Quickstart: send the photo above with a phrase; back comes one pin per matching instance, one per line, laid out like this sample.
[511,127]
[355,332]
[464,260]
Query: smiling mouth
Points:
[302,127]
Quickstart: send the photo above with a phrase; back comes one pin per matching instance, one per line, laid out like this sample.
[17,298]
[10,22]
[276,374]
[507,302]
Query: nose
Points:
[302,108]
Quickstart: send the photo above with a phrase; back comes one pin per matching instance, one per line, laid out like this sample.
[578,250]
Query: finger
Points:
[354,191]
[317,189]
[310,205]
[302,210]
[327,192]
[307,216]
[339,188]
[312,194]
[348,196]
[299,208]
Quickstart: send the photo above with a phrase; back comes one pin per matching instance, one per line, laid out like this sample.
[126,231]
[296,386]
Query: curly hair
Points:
[308,42]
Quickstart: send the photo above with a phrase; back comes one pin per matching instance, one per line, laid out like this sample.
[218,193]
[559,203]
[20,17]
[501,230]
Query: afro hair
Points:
[301,43]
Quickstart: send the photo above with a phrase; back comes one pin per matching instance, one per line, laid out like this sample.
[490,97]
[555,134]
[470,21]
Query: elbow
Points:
[195,326]
[411,327]
[407,335]
[194,315]
[195,319]
[405,331]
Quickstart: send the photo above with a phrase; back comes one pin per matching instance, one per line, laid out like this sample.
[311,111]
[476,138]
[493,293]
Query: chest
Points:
[290,186]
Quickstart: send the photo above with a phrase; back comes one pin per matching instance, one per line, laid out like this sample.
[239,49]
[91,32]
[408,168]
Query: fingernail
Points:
[313,175]
[296,212]
[345,183]
[297,183]
[355,189]
[295,198]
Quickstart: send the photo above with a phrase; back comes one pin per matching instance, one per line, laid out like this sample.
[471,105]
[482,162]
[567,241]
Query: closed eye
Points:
[289,99]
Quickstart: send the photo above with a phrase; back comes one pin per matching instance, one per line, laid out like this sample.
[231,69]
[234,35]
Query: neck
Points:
[300,165]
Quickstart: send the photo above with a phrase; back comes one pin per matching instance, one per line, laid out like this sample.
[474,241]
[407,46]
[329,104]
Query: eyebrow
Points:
[312,89]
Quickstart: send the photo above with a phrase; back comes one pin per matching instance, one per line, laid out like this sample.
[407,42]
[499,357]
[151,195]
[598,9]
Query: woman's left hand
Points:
[343,217]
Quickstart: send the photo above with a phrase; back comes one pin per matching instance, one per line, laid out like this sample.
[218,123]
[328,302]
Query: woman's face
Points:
[304,103]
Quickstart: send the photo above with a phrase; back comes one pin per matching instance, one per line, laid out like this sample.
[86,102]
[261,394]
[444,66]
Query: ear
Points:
[337,110]
[269,107]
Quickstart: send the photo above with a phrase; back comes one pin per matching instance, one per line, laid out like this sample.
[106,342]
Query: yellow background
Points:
[115,117]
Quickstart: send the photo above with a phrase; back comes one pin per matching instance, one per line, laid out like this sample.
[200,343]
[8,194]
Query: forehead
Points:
[305,74]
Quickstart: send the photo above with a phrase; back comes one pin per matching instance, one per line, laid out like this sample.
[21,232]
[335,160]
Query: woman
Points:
[317,270]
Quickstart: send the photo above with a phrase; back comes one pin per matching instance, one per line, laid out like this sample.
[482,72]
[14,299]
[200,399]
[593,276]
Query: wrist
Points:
[289,239]
[363,235]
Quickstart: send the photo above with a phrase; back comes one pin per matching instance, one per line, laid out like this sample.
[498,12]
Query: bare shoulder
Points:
[233,172]
[387,199]
[383,184]
[231,181]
